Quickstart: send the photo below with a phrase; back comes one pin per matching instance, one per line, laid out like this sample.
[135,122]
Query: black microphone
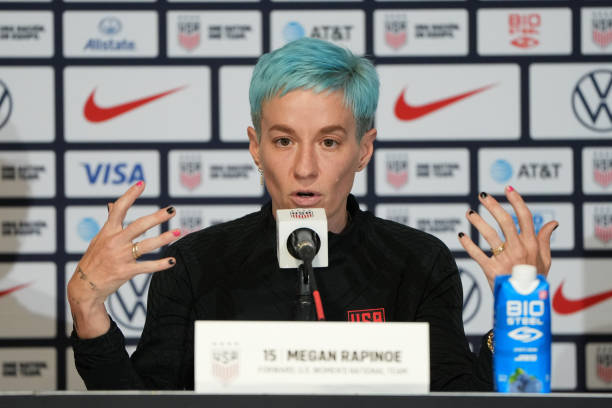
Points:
[301,243]
[304,244]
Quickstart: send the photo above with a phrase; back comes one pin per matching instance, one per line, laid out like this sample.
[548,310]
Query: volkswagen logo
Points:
[127,306]
[592,100]
[109,25]
[472,295]
[6,104]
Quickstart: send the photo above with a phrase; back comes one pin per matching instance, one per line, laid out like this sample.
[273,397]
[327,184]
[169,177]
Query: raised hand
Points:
[516,248]
[110,261]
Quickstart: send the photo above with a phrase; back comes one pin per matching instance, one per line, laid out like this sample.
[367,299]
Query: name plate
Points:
[238,357]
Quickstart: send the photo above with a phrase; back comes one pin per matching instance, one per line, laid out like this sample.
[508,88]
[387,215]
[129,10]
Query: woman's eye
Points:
[329,143]
[283,141]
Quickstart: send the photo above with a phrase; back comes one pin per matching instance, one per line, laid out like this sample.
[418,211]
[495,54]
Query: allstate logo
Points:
[293,31]
[87,229]
[109,25]
[501,170]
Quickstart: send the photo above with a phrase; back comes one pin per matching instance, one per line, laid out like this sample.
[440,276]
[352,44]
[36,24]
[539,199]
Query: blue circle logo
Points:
[501,171]
[109,25]
[293,31]
[87,229]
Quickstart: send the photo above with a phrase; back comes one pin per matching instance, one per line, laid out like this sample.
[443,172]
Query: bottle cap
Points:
[523,278]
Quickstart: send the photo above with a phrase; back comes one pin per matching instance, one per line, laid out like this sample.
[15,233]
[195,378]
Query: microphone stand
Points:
[308,305]
[304,303]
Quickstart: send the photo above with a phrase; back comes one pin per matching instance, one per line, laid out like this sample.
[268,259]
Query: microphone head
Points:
[296,220]
[303,243]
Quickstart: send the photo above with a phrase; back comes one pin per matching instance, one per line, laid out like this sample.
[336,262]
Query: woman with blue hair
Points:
[312,106]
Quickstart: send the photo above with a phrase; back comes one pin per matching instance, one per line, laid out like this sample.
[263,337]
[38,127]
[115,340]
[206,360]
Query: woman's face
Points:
[309,152]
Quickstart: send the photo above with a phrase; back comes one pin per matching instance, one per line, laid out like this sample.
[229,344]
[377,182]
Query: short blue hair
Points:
[309,63]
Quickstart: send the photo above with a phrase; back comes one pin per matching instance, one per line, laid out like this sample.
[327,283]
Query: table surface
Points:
[187,399]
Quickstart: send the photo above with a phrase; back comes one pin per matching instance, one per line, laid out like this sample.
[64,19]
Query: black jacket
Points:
[230,272]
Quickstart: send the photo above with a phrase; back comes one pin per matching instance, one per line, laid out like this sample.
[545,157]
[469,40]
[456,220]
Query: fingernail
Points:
[483,195]
[510,188]
[140,183]
[107,207]
[461,234]
[556,226]
[170,210]
[471,212]
[171,261]
[176,233]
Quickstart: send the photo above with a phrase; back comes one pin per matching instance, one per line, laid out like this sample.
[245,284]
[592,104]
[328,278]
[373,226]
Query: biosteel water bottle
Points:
[521,332]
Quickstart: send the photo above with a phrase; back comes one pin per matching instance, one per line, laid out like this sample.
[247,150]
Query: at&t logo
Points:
[501,170]
[88,228]
[293,31]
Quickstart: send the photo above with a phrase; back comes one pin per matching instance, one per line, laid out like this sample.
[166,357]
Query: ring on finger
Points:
[135,253]
[499,249]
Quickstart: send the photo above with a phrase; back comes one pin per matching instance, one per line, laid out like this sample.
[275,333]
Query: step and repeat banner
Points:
[475,95]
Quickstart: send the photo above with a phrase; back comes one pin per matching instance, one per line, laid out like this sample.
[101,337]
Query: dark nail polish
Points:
[170,210]
[483,195]
[461,234]
[556,226]
[471,212]
[171,261]
[108,207]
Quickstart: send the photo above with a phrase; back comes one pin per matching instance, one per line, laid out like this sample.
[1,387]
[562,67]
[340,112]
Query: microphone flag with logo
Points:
[288,221]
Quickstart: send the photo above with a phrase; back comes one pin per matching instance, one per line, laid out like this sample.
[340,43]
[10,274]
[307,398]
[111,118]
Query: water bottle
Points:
[521,332]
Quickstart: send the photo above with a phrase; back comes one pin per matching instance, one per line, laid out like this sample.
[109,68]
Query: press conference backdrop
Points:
[475,95]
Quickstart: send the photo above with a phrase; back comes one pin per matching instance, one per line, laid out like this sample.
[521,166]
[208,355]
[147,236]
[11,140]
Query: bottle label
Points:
[522,337]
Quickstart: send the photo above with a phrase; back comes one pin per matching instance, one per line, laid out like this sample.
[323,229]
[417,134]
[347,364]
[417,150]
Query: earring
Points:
[261,177]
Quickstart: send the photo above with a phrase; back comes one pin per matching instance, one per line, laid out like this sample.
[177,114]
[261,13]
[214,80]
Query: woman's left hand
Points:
[517,248]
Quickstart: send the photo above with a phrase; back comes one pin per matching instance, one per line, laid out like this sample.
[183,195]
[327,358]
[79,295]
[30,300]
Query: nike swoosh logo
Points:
[95,113]
[563,305]
[404,111]
[8,291]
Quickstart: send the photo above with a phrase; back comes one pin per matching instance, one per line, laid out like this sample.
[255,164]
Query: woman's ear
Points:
[254,145]
[366,148]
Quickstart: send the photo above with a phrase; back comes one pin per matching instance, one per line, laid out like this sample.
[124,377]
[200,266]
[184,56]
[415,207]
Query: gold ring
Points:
[499,249]
[135,252]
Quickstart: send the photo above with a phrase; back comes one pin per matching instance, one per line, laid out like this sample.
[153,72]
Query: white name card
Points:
[237,357]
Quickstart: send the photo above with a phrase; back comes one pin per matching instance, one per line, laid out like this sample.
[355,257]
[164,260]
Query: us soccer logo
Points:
[602,28]
[602,169]
[396,30]
[604,363]
[225,362]
[190,221]
[189,32]
[397,170]
[603,224]
[190,167]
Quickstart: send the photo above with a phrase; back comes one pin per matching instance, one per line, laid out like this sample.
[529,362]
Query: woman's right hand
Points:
[110,261]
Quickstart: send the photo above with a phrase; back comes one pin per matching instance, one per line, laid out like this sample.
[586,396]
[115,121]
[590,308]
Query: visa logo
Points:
[114,173]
